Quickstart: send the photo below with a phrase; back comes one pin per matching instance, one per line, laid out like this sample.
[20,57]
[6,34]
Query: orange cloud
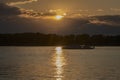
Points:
[21,2]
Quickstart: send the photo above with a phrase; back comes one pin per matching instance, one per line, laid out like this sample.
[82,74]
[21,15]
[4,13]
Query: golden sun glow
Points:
[58,48]
[58,17]
[59,61]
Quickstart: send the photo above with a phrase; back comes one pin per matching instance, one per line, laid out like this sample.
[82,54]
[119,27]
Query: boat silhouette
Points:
[78,47]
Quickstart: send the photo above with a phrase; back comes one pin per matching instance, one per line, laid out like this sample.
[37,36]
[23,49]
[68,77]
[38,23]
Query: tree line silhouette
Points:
[39,39]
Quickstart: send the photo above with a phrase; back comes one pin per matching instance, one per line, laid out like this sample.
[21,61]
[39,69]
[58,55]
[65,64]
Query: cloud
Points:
[8,10]
[34,14]
[21,2]
[100,10]
[115,9]
[12,22]
[98,22]
[113,20]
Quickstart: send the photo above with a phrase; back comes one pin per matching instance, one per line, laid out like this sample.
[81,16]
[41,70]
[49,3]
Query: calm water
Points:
[46,63]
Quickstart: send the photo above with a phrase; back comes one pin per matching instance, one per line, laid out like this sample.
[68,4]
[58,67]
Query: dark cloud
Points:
[108,17]
[84,26]
[113,20]
[8,10]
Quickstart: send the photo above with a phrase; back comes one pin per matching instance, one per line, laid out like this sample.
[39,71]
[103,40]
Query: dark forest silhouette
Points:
[39,39]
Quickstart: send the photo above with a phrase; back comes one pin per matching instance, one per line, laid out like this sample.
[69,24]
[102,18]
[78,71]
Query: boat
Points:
[78,47]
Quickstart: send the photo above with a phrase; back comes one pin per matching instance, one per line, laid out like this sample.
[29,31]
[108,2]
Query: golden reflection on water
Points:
[59,62]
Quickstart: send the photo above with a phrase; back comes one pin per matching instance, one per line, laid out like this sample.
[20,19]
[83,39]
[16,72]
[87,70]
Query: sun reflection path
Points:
[59,62]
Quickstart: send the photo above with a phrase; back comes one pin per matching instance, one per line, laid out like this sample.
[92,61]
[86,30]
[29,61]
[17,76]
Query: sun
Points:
[58,17]
[58,48]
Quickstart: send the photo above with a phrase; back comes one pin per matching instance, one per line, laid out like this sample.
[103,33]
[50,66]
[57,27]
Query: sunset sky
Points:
[60,16]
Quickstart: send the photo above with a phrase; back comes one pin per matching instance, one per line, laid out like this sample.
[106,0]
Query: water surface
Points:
[46,63]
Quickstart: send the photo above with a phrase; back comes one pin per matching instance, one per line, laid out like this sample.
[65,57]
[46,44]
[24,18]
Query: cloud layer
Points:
[11,21]
[21,2]
[8,10]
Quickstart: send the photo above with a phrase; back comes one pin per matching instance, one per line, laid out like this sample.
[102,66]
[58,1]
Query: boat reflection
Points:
[59,62]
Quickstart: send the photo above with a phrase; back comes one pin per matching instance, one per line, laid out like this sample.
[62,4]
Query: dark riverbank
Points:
[38,39]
